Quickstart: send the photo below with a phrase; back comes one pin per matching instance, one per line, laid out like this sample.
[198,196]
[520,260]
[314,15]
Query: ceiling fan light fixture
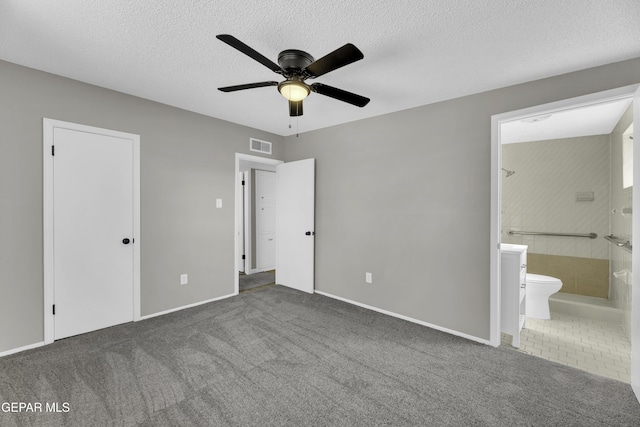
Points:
[294,90]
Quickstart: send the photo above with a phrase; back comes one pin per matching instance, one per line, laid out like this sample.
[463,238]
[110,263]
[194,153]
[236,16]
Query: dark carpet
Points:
[251,281]
[279,357]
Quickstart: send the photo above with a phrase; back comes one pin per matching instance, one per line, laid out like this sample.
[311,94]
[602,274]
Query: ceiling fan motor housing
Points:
[292,60]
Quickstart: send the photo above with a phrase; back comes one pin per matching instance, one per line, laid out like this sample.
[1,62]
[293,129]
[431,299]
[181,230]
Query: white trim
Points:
[625,92]
[48,126]
[137,303]
[408,319]
[195,304]
[237,225]
[494,233]
[248,225]
[47,175]
[240,232]
[148,316]
[496,182]
[258,270]
[635,257]
[24,348]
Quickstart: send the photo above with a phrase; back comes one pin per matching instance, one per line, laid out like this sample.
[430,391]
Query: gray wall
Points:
[187,161]
[406,196]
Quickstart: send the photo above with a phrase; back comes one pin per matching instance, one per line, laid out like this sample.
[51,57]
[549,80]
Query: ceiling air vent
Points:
[259,146]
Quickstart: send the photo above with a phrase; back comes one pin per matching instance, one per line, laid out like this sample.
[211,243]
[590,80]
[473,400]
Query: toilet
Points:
[539,289]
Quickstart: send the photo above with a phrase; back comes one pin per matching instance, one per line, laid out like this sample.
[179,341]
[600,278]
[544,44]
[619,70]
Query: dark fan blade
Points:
[247,86]
[336,59]
[235,43]
[339,94]
[295,108]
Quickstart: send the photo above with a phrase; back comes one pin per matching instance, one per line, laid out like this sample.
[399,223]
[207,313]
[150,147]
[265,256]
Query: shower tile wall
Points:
[541,196]
[620,225]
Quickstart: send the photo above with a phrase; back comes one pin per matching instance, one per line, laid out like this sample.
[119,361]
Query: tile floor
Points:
[598,347]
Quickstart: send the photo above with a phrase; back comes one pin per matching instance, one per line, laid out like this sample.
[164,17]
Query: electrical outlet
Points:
[184,279]
[368,278]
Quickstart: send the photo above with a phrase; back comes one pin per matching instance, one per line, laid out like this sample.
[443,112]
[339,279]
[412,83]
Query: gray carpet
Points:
[279,357]
[251,281]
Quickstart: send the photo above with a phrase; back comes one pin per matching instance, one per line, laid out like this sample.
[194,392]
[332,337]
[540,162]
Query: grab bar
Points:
[537,233]
[619,242]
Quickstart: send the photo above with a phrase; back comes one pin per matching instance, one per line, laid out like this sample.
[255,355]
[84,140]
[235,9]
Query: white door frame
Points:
[238,206]
[48,126]
[626,92]
[241,215]
[248,244]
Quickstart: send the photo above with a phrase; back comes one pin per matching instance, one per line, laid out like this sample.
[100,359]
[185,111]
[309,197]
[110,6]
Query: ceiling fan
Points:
[297,66]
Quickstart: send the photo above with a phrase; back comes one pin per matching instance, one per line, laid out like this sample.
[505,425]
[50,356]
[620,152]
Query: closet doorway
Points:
[294,222]
[91,228]
[257,231]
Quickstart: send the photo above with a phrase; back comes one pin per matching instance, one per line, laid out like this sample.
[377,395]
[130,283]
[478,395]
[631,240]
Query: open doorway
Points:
[295,221]
[256,222]
[531,229]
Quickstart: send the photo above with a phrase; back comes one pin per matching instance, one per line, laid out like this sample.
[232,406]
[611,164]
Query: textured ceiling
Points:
[415,51]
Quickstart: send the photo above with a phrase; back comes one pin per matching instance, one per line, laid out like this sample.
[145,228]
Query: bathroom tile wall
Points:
[541,196]
[582,276]
[620,224]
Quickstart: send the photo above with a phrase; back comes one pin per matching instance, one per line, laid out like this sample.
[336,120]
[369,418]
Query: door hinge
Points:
[243,182]
[243,257]
[54,309]
[53,150]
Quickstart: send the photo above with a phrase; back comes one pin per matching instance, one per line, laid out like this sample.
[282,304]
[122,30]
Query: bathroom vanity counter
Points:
[513,296]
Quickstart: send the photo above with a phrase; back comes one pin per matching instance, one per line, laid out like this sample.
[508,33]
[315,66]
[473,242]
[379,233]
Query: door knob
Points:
[126,241]
[310,233]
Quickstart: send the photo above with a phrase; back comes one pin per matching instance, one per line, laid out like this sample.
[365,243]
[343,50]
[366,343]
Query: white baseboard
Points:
[195,304]
[258,270]
[19,349]
[40,344]
[409,319]
[368,307]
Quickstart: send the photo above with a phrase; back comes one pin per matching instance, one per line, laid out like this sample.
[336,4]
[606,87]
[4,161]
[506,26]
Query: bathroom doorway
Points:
[516,218]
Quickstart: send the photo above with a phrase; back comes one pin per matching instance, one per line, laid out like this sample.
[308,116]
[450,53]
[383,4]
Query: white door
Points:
[93,218]
[295,225]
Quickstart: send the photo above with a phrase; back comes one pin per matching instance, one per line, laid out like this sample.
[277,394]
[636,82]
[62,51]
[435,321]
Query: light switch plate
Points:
[218,203]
